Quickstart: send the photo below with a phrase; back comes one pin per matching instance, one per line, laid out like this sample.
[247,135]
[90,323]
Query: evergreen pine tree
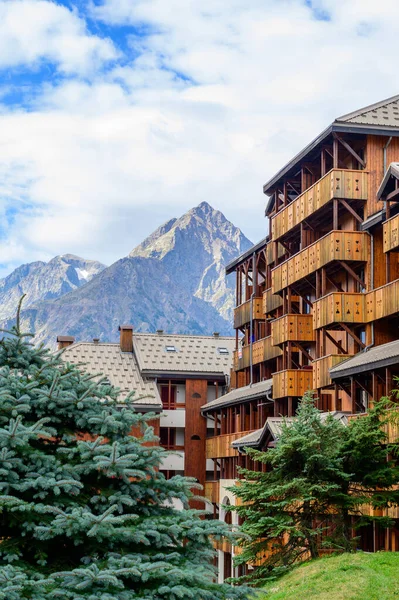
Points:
[85,512]
[319,479]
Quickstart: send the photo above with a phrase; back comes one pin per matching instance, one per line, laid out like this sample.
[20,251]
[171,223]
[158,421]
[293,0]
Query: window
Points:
[168,396]
[223,350]
[170,348]
[167,437]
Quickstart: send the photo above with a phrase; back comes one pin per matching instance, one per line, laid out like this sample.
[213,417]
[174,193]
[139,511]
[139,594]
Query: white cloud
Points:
[217,97]
[35,30]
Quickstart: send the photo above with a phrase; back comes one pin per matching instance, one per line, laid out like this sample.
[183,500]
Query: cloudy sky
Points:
[116,115]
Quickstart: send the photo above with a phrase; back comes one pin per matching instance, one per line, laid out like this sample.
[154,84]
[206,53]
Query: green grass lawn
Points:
[344,577]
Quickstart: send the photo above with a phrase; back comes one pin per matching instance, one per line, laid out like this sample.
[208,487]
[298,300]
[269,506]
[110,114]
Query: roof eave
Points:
[230,268]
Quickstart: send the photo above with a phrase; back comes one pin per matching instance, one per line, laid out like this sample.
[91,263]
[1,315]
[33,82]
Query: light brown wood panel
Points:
[271,301]
[220,445]
[242,314]
[321,367]
[195,430]
[262,350]
[339,307]
[336,245]
[391,234]
[294,328]
[292,382]
[211,491]
[338,183]
[375,166]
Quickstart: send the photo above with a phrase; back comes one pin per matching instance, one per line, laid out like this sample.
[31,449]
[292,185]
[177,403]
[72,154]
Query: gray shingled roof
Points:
[388,183]
[273,425]
[382,114]
[121,368]
[195,354]
[378,357]
[241,394]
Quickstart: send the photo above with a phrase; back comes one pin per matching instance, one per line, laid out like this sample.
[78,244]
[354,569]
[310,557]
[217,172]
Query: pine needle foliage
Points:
[84,511]
[319,480]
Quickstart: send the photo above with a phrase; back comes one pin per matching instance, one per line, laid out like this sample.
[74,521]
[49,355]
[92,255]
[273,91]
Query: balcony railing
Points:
[292,382]
[391,234]
[220,446]
[322,366]
[339,307]
[292,328]
[211,491]
[262,350]
[336,245]
[242,314]
[269,252]
[383,301]
[338,183]
[271,301]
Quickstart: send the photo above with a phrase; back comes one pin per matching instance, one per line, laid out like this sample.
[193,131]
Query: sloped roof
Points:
[121,368]
[383,114]
[195,354]
[241,394]
[380,356]
[388,183]
[273,426]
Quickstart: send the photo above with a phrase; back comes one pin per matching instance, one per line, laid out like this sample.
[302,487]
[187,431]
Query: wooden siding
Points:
[220,445]
[292,382]
[321,367]
[391,234]
[271,301]
[336,245]
[339,307]
[262,350]
[195,431]
[269,253]
[211,491]
[338,183]
[242,314]
[375,166]
[293,328]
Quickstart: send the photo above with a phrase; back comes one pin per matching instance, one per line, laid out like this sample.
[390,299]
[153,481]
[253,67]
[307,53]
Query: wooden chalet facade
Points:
[317,301]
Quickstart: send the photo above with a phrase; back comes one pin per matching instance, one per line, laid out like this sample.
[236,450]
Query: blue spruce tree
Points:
[85,512]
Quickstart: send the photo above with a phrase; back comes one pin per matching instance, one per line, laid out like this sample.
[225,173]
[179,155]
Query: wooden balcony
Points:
[292,382]
[391,234]
[219,446]
[322,366]
[242,314]
[271,301]
[262,350]
[383,301]
[211,491]
[336,245]
[338,183]
[339,307]
[269,252]
[293,328]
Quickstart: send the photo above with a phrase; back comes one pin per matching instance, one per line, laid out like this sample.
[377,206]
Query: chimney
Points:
[64,340]
[159,331]
[96,340]
[126,338]
[216,334]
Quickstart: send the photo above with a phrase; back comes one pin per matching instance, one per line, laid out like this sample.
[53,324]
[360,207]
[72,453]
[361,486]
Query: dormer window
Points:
[170,348]
[223,350]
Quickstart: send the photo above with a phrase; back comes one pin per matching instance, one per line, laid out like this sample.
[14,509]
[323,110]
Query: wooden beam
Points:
[352,272]
[350,209]
[350,150]
[337,343]
[353,335]
[302,349]
[393,195]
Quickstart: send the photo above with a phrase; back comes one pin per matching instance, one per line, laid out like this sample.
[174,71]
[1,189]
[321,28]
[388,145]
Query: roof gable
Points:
[383,114]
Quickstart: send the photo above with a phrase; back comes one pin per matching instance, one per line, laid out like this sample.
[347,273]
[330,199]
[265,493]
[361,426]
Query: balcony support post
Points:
[353,335]
[335,214]
[353,274]
[353,395]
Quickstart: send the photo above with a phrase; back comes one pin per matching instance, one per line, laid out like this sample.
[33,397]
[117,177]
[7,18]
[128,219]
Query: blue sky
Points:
[116,115]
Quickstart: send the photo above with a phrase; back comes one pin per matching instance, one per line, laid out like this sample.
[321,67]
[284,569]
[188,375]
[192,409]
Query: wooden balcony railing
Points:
[339,307]
[336,245]
[271,301]
[242,314]
[269,253]
[292,382]
[293,328]
[338,183]
[262,350]
[383,301]
[220,446]
[211,491]
[322,366]
[391,234]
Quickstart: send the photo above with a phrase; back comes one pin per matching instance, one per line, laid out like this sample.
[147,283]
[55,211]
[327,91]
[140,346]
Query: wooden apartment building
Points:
[317,301]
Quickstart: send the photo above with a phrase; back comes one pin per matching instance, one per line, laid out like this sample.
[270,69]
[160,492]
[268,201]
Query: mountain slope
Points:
[43,281]
[174,280]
